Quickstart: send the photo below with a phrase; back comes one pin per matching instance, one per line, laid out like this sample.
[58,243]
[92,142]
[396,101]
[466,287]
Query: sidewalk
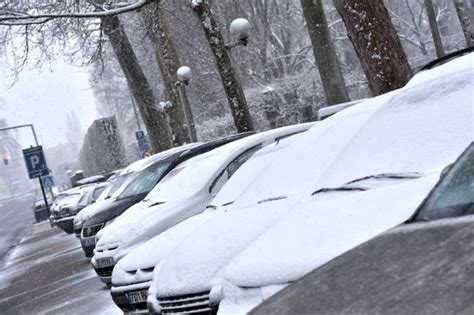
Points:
[47,273]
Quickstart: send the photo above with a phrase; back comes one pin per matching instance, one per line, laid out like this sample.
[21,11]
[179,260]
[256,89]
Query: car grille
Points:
[91,230]
[197,303]
[105,272]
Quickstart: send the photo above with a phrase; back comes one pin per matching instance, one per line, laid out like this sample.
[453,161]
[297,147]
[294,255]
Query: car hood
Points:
[111,210]
[91,209]
[137,265]
[318,231]
[143,223]
[195,264]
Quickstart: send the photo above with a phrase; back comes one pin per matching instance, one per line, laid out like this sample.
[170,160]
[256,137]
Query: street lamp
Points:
[184,75]
[240,29]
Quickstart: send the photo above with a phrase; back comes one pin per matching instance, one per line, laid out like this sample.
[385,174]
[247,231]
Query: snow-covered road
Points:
[15,216]
[47,273]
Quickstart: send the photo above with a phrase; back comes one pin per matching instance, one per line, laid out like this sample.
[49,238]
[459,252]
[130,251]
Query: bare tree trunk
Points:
[466,21]
[324,52]
[434,28]
[155,120]
[168,61]
[232,86]
[376,43]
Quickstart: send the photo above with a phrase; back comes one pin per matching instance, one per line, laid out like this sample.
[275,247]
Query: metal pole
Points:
[189,123]
[134,106]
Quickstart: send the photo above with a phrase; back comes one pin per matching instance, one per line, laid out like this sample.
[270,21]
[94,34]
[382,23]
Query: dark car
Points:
[40,210]
[421,267]
[141,184]
[73,204]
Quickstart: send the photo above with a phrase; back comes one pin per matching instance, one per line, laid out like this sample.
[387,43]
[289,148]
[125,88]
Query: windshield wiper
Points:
[272,199]
[157,204]
[386,175]
[342,188]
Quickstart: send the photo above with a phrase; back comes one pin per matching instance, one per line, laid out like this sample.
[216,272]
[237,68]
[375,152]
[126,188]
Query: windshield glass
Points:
[454,195]
[189,177]
[145,180]
[116,185]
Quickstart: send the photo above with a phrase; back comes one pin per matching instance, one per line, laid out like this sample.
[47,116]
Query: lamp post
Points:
[184,75]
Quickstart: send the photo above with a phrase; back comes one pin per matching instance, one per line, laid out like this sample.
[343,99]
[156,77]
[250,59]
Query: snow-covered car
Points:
[132,275]
[57,202]
[117,182]
[184,192]
[140,178]
[141,183]
[391,154]
[377,266]
[64,217]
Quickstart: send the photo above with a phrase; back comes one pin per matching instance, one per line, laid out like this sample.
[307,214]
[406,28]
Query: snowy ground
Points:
[47,273]
[16,215]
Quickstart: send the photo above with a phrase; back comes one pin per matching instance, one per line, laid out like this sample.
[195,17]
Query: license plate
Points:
[105,262]
[88,241]
[136,297]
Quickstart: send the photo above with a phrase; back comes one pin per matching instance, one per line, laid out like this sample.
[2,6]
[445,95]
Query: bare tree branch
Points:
[25,18]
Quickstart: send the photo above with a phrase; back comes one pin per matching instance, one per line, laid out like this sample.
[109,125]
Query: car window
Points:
[232,168]
[454,194]
[84,198]
[117,183]
[241,159]
[145,180]
[96,193]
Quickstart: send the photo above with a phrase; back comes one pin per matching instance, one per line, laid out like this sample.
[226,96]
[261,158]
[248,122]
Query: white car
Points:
[184,192]
[414,133]
[132,274]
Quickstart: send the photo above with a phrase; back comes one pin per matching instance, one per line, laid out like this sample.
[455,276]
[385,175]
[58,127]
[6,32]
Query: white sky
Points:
[44,98]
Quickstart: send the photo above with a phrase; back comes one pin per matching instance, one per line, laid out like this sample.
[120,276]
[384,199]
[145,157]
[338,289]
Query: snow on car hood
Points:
[309,154]
[318,231]
[144,222]
[90,210]
[137,265]
[194,265]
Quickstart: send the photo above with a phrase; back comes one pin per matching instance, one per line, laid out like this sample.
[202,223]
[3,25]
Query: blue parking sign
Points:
[48,181]
[35,162]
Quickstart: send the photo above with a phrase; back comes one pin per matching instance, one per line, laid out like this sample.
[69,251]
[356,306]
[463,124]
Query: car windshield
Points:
[189,177]
[116,185]
[97,192]
[83,200]
[145,180]
[454,194]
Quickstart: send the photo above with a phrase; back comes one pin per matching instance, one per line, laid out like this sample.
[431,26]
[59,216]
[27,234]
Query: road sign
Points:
[140,135]
[48,181]
[35,162]
[142,141]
